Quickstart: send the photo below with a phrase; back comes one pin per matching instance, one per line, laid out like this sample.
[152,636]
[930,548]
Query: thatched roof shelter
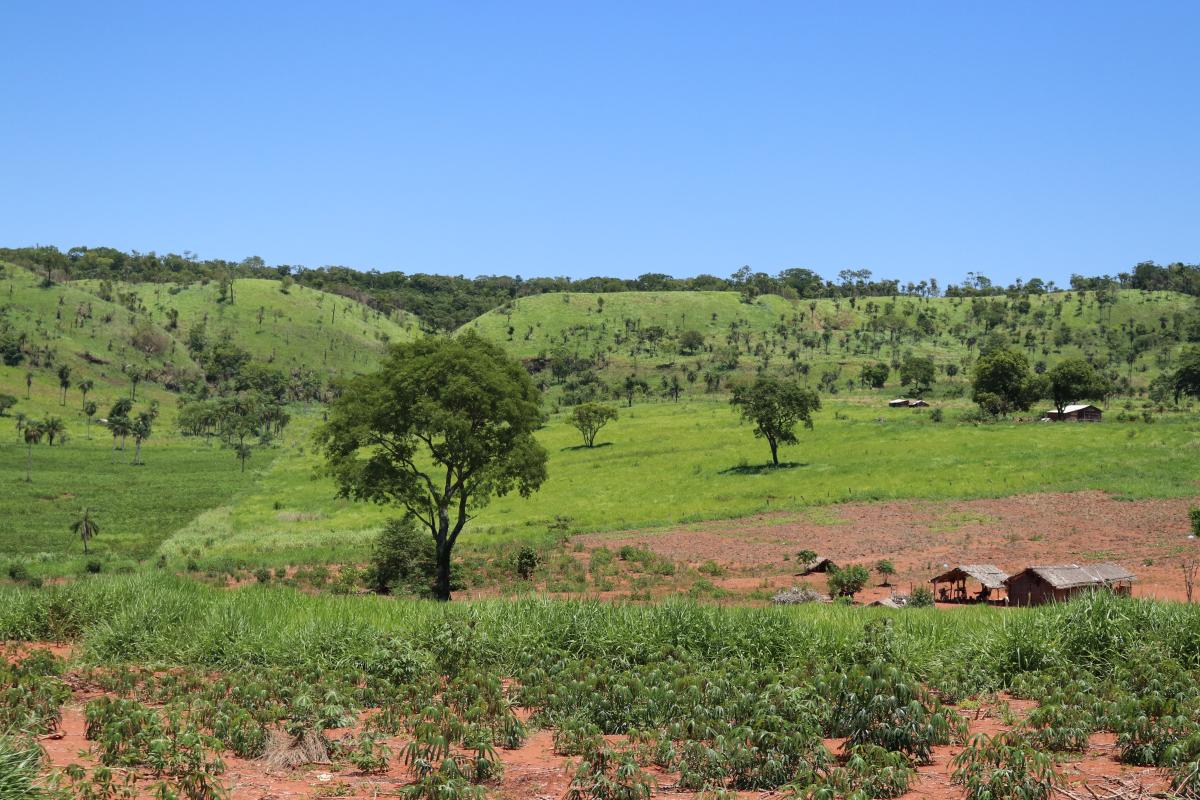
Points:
[818,564]
[989,575]
[1044,584]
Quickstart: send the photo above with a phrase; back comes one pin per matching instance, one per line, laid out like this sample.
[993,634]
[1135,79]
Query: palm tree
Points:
[86,527]
[28,384]
[135,377]
[141,429]
[89,411]
[53,426]
[85,386]
[120,427]
[64,382]
[33,435]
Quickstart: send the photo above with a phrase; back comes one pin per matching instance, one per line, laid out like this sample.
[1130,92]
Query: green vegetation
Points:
[728,699]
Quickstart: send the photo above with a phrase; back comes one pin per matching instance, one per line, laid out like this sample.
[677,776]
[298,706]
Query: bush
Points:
[921,597]
[527,562]
[1004,767]
[936,415]
[262,575]
[1194,517]
[93,566]
[18,571]
[403,559]
[711,568]
[848,581]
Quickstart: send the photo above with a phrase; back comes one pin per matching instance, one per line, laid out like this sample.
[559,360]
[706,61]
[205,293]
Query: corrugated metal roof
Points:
[1079,407]
[1069,576]
[989,575]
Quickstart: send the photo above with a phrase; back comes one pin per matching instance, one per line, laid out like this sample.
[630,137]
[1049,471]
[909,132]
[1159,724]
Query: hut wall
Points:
[1030,590]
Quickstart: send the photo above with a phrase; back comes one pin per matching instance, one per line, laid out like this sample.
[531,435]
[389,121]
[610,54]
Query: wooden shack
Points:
[904,402]
[1076,413]
[956,585]
[1049,584]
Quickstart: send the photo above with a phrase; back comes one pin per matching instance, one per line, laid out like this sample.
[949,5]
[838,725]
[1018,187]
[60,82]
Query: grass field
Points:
[665,463]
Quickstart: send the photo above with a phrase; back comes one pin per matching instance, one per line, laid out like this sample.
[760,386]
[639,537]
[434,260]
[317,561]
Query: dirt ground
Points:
[923,538]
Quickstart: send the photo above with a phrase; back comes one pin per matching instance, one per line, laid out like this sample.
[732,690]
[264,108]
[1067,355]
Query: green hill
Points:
[286,325]
[1131,334]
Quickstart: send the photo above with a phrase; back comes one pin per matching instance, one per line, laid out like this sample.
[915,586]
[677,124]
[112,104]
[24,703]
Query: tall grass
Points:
[163,620]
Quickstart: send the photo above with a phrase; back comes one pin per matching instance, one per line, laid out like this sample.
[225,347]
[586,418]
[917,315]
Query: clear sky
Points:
[914,139]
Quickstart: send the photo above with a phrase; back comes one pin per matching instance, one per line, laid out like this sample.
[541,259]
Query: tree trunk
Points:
[441,587]
[774,451]
[28,462]
[137,452]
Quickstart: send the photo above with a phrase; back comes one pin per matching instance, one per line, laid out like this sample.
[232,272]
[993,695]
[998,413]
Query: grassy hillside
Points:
[288,326]
[65,325]
[828,341]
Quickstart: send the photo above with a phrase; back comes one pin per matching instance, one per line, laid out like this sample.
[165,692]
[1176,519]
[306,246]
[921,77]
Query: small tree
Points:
[84,387]
[85,527]
[141,429]
[886,570]
[633,385]
[848,581]
[690,341]
[89,411]
[1074,379]
[64,382]
[806,556]
[918,372]
[7,401]
[1190,566]
[32,433]
[28,384]
[54,428]
[1194,519]
[1003,383]
[589,418]
[775,407]
[403,559]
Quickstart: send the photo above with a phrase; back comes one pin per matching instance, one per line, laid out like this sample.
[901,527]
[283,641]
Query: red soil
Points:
[1149,537]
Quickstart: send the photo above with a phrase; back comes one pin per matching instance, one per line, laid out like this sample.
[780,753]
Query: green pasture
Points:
[666,463]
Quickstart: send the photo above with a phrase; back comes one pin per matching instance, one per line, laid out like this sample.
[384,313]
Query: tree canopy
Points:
[775,407]
[1003,382]
[439,429]
[1072,380]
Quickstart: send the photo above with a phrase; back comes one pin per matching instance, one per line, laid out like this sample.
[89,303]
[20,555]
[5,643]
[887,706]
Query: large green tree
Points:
[1004,383]
[443,426]
[1074,379]
[775,407]
[917,372]
[1186,379]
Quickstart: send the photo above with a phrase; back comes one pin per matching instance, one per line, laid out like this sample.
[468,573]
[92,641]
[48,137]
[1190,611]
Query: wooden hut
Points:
[904,402]
[951,587]
[1076,413]
[1037,585]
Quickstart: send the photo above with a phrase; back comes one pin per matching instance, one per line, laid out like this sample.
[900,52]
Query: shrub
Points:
[527,562]
[403,559]
[93,566]
[848,581]
[1194,517]
[18,571]
[711,568]
[1004,767]
[921,597]
[262,575]
[936,415]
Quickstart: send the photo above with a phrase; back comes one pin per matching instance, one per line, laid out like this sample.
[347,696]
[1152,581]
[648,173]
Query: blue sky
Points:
[914,139]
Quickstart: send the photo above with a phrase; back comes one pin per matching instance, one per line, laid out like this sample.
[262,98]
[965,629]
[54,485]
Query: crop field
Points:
[176,687]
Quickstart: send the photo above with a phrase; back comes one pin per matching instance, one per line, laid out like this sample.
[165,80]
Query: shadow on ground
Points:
[759,469]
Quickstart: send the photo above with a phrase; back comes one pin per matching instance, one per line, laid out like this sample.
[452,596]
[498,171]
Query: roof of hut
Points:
[1069,576]
[989,575]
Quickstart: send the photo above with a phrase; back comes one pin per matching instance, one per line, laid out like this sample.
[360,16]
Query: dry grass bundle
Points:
[287,751]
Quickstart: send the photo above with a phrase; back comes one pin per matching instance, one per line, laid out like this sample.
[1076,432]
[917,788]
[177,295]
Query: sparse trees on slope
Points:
[140,429]
[775,407]
[89,411]
[443,426]
[589,418]
[84,387]
[54,428]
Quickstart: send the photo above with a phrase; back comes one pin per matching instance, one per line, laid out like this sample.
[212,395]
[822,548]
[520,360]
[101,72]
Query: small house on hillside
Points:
[1037,585]
[954,584]
[1076,413]
[818,564]
[904,402]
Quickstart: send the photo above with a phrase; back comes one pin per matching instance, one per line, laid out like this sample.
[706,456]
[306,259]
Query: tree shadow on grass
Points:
[761,469]
[596,446]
